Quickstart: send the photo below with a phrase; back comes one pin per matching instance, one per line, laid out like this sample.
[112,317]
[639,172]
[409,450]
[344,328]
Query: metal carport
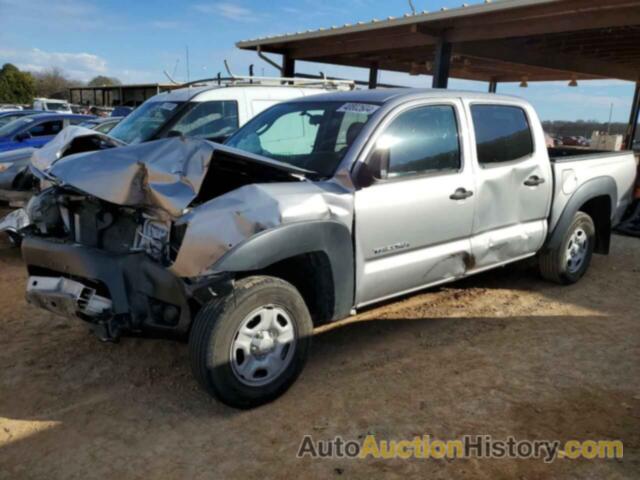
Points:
[501,41]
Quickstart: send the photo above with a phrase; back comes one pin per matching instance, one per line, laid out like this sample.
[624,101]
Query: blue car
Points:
[10,116]
[36,130]
[121,111]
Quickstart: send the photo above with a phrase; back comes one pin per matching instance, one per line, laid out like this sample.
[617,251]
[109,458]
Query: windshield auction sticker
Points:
[467,446]
[366,108]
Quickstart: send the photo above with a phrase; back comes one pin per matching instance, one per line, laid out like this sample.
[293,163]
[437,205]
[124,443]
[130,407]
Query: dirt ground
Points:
[500,354]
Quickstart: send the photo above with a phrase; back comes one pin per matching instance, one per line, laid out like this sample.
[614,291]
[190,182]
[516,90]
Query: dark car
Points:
[35,130]
[10,116]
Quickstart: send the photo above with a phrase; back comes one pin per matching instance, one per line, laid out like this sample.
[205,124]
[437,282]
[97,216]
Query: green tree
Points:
[53,83]
[15,86]
[103,81]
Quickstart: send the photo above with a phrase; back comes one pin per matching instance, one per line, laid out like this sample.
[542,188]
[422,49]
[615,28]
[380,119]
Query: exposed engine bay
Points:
[82,219]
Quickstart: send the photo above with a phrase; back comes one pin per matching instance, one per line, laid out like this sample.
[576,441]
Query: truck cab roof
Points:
[383,96]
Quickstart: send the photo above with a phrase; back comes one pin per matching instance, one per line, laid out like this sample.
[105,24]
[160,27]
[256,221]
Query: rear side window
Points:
[421,140]
[502,133]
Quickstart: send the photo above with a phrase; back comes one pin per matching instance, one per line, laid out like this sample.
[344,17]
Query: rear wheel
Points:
[248,347]
[568,262]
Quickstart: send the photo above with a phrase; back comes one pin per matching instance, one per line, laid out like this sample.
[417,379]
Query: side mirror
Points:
[375,168]
[21,137]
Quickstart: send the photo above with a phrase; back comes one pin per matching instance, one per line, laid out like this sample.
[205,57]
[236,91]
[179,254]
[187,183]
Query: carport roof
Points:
[496,41]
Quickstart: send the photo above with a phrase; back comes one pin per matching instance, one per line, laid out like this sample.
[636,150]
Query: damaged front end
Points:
[128,239]
[102,263]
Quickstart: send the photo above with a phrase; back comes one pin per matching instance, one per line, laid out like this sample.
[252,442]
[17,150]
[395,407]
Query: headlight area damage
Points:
[128,239]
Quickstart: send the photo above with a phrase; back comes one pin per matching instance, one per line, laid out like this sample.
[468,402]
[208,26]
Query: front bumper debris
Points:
[15,221]
[126,292]
[66,297]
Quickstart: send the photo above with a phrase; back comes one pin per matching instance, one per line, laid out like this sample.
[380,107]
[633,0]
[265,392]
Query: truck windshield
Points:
[310,135]
[145,121]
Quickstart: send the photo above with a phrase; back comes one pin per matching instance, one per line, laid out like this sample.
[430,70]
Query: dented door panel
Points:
[511,210]
[410,233]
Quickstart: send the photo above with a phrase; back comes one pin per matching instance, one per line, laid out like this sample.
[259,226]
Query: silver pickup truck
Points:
[317,208]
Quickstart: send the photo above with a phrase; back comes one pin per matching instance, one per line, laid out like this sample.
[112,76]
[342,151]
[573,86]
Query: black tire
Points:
[553,263]
[215,328]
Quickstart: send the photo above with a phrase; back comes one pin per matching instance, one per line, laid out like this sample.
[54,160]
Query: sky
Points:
[136,40]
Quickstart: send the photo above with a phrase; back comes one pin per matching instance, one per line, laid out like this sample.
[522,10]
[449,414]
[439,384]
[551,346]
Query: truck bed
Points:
[560,154]
[573,167]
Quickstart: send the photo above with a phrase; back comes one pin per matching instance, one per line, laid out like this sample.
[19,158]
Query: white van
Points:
[51,105]
[212,111]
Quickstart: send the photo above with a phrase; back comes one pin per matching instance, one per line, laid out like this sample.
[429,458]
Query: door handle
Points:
[460,194]
[533,181]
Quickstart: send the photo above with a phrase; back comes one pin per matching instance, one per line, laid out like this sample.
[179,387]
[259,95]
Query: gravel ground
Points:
[500,354]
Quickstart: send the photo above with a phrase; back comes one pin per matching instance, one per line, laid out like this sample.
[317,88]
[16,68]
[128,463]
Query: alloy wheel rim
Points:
[576,252]
[263,346]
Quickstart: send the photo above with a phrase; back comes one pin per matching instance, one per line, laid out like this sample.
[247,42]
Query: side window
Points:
[209,120]
[292,134]
[424,139]
[46,128]
[502,133]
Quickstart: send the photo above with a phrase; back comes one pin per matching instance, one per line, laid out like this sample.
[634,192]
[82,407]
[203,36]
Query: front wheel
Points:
[568,262]
[248,347]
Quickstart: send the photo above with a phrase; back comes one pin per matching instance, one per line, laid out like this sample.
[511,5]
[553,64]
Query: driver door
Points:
[413,227]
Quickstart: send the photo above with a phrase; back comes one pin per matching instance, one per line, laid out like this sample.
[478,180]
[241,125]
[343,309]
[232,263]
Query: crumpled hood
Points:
[166,173]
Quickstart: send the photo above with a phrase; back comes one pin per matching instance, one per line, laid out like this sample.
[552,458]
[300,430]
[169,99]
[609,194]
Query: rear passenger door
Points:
[412,227]
[513,183]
